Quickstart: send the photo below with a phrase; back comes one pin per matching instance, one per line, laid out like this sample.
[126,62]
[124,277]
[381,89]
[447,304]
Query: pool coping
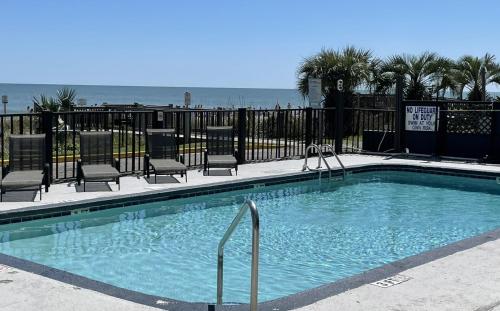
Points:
[293,301]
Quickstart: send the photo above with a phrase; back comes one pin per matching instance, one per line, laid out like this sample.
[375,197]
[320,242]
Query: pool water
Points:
[311,234]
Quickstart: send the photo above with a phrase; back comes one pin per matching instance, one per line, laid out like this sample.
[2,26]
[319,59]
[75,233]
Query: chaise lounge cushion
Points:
[167,165]
[99,172]
[221,161]
[18,179]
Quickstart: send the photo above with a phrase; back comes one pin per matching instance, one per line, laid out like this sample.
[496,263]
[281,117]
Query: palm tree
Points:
[64,100]
[419,72]
[46,103]
[350,64]
[379,82]
[468,74]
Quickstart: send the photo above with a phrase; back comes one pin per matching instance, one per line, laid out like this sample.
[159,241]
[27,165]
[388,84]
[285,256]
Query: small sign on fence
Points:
[421,118]
[314,92]
[160,116]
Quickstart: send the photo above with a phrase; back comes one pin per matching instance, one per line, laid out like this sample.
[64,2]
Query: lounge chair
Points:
[96,163]
[220,151]
[27,166]
[162,157]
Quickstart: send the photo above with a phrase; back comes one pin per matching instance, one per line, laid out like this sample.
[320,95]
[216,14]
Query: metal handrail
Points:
[328,146]
[322,157]
[254,282]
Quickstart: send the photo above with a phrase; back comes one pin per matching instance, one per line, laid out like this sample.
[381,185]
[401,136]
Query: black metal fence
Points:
[262,135]
[463,129]
[368,129]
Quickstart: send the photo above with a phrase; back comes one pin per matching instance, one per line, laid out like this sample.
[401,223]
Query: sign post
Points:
[187,100]
[5,101]
[314,92]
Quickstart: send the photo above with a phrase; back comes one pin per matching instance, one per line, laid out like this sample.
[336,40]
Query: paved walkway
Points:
[469,280]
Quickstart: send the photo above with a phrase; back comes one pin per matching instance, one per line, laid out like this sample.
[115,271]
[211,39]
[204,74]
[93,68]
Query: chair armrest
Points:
[117,164]
[5,170]
[236,155]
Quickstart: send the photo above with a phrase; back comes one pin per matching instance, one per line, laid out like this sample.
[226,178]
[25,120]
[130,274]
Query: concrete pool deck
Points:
[455,282]
[69,192]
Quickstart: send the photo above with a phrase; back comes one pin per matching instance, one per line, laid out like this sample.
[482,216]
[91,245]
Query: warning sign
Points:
[421,118]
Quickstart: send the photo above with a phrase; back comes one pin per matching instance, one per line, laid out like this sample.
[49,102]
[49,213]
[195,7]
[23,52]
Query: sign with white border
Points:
[314,92]
[421,118]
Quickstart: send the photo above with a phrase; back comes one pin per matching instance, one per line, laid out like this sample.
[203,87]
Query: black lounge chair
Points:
[96,163]
[27,166]
[163,158]
[220,151]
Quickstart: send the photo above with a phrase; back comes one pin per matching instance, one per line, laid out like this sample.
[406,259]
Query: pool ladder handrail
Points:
[328,146]
[322,157]
[254,281]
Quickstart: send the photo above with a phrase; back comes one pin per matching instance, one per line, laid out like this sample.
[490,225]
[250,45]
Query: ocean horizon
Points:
[21,95]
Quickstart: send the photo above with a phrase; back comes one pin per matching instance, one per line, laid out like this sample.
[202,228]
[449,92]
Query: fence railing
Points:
[260,135]
[368,129]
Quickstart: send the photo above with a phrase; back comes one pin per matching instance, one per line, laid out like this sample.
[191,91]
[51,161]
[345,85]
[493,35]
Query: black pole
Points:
[483,84]
[399,117]
[308,128]
[339,127]
[47,129]
[242,134]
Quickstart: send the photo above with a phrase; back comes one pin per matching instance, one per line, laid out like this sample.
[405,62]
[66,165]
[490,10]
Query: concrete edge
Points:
[286,303]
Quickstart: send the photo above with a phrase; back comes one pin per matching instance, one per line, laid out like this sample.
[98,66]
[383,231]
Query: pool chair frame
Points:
[27,166]
[220,151]
[163,157]
[96,163]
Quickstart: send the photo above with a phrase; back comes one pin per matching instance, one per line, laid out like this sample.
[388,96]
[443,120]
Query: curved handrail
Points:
[328,146]
[322,157]
[312,146]
[254,282]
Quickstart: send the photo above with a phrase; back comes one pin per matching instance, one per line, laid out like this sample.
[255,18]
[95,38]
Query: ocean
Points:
[21,96]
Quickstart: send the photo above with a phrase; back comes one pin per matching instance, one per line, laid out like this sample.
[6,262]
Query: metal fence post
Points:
[134,131]
[494,155]
[442,127]
[47,129]
[339,126]
[309,115]
[242,134]
[400,114]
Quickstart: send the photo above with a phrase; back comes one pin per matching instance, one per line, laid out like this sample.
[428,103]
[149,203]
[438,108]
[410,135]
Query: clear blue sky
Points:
[223,43]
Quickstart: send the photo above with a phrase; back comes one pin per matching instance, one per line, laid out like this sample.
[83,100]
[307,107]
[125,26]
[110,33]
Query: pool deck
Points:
[466,280]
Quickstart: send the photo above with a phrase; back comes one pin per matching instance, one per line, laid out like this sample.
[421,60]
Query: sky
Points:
[248,44]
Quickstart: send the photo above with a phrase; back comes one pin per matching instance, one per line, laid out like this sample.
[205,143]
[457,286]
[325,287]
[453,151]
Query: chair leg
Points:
[84,185]
[186,173]
[155,178]
[40,189]
[118,183]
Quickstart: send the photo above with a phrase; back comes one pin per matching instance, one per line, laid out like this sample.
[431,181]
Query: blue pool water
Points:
[311,234]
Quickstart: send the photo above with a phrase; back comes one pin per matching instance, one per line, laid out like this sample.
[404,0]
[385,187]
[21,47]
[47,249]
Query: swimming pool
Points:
[311,234]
